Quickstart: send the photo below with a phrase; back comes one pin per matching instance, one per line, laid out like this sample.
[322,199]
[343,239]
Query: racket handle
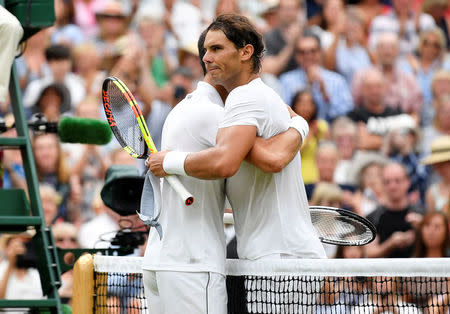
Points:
[228,219]
[187,197]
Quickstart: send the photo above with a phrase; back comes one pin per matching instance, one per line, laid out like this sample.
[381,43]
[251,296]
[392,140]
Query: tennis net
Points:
[291,286]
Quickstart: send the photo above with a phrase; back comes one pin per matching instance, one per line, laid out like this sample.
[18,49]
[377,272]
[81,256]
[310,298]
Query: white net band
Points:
[368,267]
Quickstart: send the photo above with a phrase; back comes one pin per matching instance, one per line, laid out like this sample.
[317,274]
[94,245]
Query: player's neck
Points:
[244,78]
[219,88]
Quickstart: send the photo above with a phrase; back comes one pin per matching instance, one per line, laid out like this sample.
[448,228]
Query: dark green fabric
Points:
[123,189]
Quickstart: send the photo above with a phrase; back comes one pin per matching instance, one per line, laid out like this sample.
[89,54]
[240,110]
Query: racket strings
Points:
[125,117]
[339,229]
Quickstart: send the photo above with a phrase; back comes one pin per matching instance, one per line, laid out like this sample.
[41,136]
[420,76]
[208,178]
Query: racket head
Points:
[341,227]
[125,118]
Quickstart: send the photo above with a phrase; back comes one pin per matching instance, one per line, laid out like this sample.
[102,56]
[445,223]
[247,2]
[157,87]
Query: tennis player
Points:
[185,271]
[271,212]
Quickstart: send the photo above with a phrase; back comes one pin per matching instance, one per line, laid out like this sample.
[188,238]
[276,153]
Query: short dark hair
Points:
[57,52]
[202,50]
[239,30]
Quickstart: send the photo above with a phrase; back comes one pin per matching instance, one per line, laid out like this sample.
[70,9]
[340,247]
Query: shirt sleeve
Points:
[243,108]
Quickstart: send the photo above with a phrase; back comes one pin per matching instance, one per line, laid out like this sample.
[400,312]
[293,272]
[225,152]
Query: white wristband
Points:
[174,163]
[300,124]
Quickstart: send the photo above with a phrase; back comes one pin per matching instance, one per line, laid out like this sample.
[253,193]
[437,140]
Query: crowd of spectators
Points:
[371,77]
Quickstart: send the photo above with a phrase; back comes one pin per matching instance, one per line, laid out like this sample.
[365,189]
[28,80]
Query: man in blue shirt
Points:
[330,90]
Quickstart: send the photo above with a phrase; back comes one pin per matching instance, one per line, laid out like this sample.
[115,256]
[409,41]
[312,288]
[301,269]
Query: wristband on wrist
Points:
[300,124]
[174,163]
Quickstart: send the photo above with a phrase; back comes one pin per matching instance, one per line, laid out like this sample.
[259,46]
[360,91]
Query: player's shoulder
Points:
[255,90]
[196,107]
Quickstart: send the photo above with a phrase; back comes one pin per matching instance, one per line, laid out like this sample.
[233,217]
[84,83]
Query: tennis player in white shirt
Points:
[271,211]
[184,272]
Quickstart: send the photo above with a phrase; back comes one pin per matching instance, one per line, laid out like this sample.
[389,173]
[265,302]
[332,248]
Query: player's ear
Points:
[247,52]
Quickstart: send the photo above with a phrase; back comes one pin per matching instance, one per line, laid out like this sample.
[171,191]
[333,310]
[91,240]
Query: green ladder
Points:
[15,214]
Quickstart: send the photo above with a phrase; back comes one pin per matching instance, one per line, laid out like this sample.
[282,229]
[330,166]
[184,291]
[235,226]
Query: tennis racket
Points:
[130,129]
[336,226]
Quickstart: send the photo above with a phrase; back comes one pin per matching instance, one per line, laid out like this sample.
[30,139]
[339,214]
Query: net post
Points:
[83,285]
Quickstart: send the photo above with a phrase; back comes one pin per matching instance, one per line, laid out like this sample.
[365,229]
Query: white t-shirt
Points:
[28,287]
[193,236]
[271,210]
[98,232]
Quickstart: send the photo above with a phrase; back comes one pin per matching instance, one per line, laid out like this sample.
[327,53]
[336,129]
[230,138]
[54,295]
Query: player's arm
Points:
[273,154]
[222,161]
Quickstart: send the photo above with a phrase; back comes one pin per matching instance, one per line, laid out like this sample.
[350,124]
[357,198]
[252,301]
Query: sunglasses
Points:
[111,16]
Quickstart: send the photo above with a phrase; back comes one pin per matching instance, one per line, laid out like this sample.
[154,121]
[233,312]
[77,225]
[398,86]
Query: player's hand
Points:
[155,163]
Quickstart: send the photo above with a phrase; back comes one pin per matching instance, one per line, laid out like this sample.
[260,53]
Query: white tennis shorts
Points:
[170,292]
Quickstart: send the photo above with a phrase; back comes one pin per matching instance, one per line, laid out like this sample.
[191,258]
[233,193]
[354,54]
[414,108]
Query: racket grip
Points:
[187,197]
[228,219]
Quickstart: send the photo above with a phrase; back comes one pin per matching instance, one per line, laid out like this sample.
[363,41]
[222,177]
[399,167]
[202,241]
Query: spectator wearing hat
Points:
[53,101]
[438,194]
[188,58]
[60,62]
[113,18]
[267,16]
